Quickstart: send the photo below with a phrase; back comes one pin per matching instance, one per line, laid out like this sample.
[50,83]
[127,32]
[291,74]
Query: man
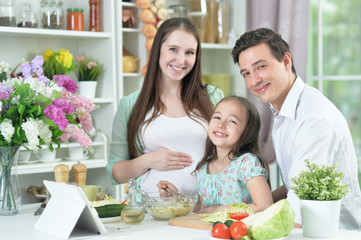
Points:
[306,124]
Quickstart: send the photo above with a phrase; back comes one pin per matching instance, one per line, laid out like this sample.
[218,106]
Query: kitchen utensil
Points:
[164,208]
[191,221]
[79,173]
[134,212]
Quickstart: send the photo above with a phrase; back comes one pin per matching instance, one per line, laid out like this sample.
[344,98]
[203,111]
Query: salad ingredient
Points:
[238,230]
[214,224]
[275,222]
[238,216]
[173,210]
[221,230]
[225,215]
[229,223]
[110,210]
[240,208]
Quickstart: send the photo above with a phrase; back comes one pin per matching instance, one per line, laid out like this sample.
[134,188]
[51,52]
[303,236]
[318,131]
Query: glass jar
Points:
[75,19]
[27,17]
[178,11]
[7,13]
[95,16]
[134,212]
[52,16]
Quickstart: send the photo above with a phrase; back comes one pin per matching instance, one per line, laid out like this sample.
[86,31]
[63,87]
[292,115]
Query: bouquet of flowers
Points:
[88,69]
[319,182]
[58,63]
[4,68]
[36,111]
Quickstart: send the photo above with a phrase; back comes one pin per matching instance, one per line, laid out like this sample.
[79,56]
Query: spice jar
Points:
[7,13]
[75,19]
[27,17]
[94,16]
[52,14]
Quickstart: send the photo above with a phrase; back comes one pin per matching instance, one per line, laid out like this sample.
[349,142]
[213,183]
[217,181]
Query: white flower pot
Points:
[87,88]
[320,219]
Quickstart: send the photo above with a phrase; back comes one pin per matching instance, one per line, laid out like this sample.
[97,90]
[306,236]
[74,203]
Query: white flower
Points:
[31,130]
[1,106]
[4,67]
[44,131]
[7,129]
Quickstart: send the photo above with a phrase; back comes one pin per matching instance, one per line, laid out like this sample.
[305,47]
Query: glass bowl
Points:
[164,208]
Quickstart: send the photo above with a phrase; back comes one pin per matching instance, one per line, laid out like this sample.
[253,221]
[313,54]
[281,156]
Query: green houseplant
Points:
[88,72]
[320,190]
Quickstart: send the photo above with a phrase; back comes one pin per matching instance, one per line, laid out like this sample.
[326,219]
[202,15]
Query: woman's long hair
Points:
[247,143]
[193,93]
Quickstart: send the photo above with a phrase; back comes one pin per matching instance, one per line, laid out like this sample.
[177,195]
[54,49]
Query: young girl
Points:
[232,169]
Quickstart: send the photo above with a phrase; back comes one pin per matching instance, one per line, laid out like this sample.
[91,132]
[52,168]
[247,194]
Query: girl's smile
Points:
[227,124]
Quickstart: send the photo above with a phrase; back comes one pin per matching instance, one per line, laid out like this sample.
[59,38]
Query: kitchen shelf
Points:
[49,167]
[129,4]
[49,33]
[97,160]
[216,46]
[102,100]
[131,30]
[135,75]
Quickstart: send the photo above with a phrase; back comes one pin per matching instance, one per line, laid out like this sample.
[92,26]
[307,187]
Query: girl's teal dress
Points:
[229,186]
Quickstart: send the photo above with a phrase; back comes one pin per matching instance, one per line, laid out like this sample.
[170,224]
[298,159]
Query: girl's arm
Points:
[260,193]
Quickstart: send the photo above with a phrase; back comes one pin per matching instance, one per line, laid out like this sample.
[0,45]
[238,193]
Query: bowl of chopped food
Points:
[164,208]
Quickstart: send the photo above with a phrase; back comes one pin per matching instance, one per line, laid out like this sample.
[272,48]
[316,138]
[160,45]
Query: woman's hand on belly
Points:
[164,159]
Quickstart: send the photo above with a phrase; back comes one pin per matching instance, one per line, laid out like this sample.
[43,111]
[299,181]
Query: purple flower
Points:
[36,65]
[66,82]
[5,92]
[64,105]
[44,80]
[57,115]
[26,69]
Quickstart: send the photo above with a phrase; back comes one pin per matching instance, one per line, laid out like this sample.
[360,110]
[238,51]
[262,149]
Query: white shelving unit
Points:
[25,43]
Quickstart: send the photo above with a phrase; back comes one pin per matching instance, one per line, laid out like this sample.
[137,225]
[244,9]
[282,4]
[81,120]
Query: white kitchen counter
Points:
[20,227]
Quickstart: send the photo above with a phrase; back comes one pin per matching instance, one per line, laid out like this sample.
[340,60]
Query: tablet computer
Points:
[68,209]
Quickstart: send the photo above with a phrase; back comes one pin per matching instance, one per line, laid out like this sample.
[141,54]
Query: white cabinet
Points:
[24,43]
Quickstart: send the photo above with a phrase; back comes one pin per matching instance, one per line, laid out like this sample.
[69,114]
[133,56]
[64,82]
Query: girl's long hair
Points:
[194,94]
[247,143]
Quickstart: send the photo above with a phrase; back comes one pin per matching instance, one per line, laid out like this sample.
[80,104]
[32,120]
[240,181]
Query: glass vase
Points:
[10,195]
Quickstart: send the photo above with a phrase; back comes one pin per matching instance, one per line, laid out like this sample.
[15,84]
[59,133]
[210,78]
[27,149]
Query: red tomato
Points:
[221,231]
[238,230]
[238,216]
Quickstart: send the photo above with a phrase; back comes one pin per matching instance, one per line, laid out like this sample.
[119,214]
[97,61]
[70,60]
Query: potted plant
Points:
[320,190]
[88,72]
[58,63]
[35,112]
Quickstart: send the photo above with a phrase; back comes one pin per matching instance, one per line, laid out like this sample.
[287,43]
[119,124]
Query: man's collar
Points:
[289,106]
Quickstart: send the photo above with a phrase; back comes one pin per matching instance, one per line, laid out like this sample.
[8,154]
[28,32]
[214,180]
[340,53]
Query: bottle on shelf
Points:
[95,16]
[7,13]
[52,16]
[75,19]
[27,17]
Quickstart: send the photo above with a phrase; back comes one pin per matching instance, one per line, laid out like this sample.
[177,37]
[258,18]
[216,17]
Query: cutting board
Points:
[190,221]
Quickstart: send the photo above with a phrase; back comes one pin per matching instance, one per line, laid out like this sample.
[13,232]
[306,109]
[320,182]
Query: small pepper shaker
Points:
[79,173]
[61,172]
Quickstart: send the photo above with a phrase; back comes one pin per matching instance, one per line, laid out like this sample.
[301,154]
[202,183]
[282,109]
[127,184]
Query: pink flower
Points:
[86,121]
[80,59]
[91,64]
[78,134]
[57,115]
[64,105]
[66,82]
